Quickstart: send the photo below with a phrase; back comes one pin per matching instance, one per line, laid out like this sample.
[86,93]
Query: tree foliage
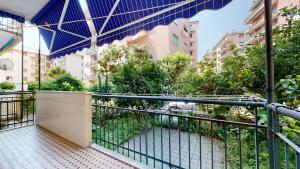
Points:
[64,82]
[56,72]
[139,75]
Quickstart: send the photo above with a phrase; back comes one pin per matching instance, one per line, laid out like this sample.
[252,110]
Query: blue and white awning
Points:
[64,26]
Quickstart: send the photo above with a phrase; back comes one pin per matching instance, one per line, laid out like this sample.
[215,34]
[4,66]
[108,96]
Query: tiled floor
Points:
[32,147]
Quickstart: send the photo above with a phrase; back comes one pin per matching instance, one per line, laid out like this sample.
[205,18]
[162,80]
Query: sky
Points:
[213,25]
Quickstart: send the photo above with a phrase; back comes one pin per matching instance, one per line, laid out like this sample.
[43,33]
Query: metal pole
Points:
[22,72]
[39,59]
[22,60]
[273,143]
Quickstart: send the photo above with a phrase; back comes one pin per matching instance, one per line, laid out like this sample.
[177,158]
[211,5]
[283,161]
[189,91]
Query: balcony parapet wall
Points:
[67,114]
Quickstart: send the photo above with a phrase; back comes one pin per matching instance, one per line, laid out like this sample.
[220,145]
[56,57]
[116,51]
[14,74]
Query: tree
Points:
[176,64]
[56,72]
[139,75]
[64,82]
[236,77]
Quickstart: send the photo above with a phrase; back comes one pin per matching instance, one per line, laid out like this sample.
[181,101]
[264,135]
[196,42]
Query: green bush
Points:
[64,82]
[7,86]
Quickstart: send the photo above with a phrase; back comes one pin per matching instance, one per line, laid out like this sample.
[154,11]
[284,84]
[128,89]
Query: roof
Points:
[64,27]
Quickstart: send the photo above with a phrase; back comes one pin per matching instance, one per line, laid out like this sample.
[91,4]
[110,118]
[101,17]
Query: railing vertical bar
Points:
[14,113]
[153,132]
[101,119]
[117,120]
[113,128]
[286,152]
[27,111]
[189,141]
[161,143]
[7,114]
[134,123]
[128,131]
[225,143]
[146,135]
[108,126]
[240,147]
[33,105]
[140,137]
[169,127]
[212,145]
[122,116]
[200,143]
[179,141]
[97,121]
[256,140]
[297,160]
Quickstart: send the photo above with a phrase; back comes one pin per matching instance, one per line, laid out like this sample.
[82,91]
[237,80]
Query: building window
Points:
[191,35]
[185,28]
[185,45]
[175,40]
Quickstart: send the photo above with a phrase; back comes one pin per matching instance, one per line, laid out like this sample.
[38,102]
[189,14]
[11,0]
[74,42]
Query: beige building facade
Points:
[31,69]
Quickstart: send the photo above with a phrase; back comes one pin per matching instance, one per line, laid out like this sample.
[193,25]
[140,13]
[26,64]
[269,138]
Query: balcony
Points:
[91,64]
[81,130]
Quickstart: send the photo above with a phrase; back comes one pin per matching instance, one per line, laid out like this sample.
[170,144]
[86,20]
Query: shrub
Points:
[7,86]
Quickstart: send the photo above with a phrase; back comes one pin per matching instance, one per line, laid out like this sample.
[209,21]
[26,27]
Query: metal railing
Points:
[17,109]
[281,141]
[181,132]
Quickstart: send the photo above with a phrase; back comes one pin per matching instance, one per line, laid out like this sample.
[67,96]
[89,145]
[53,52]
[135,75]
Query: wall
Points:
[67,114]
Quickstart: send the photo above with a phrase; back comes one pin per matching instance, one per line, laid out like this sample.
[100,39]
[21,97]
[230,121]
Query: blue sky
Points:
[212,26]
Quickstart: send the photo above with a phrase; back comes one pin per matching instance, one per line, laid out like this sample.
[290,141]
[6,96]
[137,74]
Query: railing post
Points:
[273,125]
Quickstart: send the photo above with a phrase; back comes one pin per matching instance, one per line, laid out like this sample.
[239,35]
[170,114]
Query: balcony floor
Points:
[33,147]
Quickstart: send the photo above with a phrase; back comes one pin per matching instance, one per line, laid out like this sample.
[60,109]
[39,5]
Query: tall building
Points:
[222,48]
[31,70]
[179,36]
[82,65]
[256,18]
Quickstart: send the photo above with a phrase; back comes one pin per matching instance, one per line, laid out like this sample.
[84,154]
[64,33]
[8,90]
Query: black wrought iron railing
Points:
[285,137]
[17,109]
[180,132]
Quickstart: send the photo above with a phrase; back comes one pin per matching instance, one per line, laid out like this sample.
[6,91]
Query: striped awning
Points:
[64,26]
[116,19]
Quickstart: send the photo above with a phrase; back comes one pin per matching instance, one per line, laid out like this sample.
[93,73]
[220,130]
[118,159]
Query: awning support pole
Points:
[22,59]
[39,59]
[273,125]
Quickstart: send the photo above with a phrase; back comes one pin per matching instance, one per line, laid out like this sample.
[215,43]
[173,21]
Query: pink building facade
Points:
[223,48]
[179,36]
[256,20]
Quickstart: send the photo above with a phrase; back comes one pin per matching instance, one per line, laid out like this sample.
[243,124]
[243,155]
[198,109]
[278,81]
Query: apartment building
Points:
[31,70]
[179,36]
[82,65]
[256,18]
[223,48]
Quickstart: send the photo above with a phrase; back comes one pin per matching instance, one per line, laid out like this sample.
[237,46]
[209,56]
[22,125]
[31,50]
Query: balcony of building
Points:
[258,12]
[84,130]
